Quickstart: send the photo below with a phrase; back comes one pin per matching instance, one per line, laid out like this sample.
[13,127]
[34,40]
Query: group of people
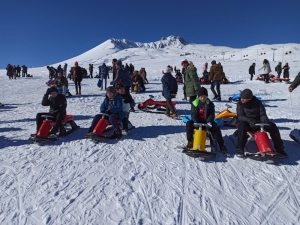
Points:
[13,71]
[118,102]
[54,71]
[267,70]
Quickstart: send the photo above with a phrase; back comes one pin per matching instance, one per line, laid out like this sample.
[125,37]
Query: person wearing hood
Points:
[170,88]
[58,106]
[251,111]
[113,106]
[191,80]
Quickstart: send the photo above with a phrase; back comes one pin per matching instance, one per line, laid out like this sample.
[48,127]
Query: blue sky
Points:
[42,32]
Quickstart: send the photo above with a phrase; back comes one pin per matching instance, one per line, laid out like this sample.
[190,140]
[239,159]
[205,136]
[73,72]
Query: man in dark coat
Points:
[58,106]
[170,88]
[77,77]
[252,70]
[251,111]
[278,69]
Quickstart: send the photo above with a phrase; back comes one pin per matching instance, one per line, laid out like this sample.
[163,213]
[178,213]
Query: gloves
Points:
[48,91]
[252,124]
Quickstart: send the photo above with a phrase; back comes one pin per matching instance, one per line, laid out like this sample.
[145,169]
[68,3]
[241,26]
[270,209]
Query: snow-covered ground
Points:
[144,178]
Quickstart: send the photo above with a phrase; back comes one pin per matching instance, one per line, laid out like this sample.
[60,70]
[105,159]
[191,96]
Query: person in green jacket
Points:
[191,80]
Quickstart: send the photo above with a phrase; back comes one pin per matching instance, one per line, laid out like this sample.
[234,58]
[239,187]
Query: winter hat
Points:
[247,94]
[111,89]
[167,70]
[202,91]
[52,89]
[184,61]
[213,62]
[76,63]
[119,62]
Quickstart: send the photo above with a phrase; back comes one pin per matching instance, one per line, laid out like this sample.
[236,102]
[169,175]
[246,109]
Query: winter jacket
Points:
[77,74]
[170,86]
[216,73]
[209,111]
[116,108]
[286,72]
[267,68]
[252,111]
[296,81]
[191,81]
[122,77]
[252,69]
[103,72]
[62,81]
[137,79]
[278,69]
[57,104]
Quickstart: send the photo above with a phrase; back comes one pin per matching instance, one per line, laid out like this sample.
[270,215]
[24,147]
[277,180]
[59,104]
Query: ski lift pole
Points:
[292,110]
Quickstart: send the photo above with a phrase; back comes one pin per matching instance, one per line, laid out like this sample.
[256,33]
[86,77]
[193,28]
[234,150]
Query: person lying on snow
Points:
[113,106]
[128,105]
[251,111]
[58,106]
[204,112]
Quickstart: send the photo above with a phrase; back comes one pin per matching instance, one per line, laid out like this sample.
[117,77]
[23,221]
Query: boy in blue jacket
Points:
[112,105]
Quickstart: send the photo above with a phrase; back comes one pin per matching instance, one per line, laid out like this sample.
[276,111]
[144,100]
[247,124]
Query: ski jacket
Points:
[116,108]
[209,111]
[137,79]
[296,82]
[57,104]
[170,86]
[216,73]
[267,68]
[278,69]
[252,111]
[191,81]
[122,77]
[252,70]
[60,82]
[286,72]
[77,74]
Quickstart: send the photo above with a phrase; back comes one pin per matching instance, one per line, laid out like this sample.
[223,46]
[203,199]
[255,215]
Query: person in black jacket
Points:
[204,112]
[77,77]
[251,111]
[252,70]
[278,69]
[58,106]
[170,88]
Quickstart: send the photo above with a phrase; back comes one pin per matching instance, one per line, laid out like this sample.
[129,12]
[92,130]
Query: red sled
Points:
[153,106]
[259,147]
[68,126]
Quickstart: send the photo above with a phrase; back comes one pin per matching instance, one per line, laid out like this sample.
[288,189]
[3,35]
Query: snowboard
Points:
[295,135]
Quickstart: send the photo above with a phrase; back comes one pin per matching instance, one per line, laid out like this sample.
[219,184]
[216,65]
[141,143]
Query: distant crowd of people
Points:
[14,72]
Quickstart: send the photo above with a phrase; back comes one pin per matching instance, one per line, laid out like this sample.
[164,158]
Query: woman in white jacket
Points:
[267,69]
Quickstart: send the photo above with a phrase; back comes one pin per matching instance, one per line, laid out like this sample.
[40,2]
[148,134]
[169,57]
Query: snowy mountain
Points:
[144,178]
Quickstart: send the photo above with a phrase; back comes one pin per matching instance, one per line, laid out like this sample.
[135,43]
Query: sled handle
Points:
[262,125]
[201,125]
[104,114]
[47,117]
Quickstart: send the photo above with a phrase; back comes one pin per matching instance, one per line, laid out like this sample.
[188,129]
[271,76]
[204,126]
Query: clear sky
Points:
[42,32]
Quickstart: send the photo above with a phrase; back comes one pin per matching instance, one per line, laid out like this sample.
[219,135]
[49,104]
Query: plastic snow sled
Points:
[226,118]
[277,79]
[104,130]
[68,126]
[204,146]
[295,135]
[152,106]
[236,97]
[261,77]
[258,146]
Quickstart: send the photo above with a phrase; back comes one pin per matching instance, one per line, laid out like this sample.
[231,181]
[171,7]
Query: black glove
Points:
[48,91]
[252,124]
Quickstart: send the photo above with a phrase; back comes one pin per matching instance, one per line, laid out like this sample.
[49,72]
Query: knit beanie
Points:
[247,94]
[202,91]
[52,89]
[111,89]
[166,70]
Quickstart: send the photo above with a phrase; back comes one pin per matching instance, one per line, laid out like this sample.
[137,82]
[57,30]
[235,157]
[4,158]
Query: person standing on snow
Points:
[191,80]
[91,68]
[170,88]
[278,69]
[77,77]
[216,75]
[252,70]
[267,69]
[286,73]
[65,70]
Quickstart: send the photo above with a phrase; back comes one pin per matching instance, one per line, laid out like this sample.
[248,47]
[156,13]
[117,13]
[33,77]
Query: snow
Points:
[144,178]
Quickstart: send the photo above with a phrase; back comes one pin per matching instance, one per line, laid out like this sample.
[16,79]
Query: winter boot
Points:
[239,152]
[281,151]
[174,116]
[167,114]
[189,145]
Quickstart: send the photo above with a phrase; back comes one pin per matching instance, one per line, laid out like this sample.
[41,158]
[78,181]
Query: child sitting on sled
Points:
[128,103]
[204,112]
[251,111]
[113,106]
